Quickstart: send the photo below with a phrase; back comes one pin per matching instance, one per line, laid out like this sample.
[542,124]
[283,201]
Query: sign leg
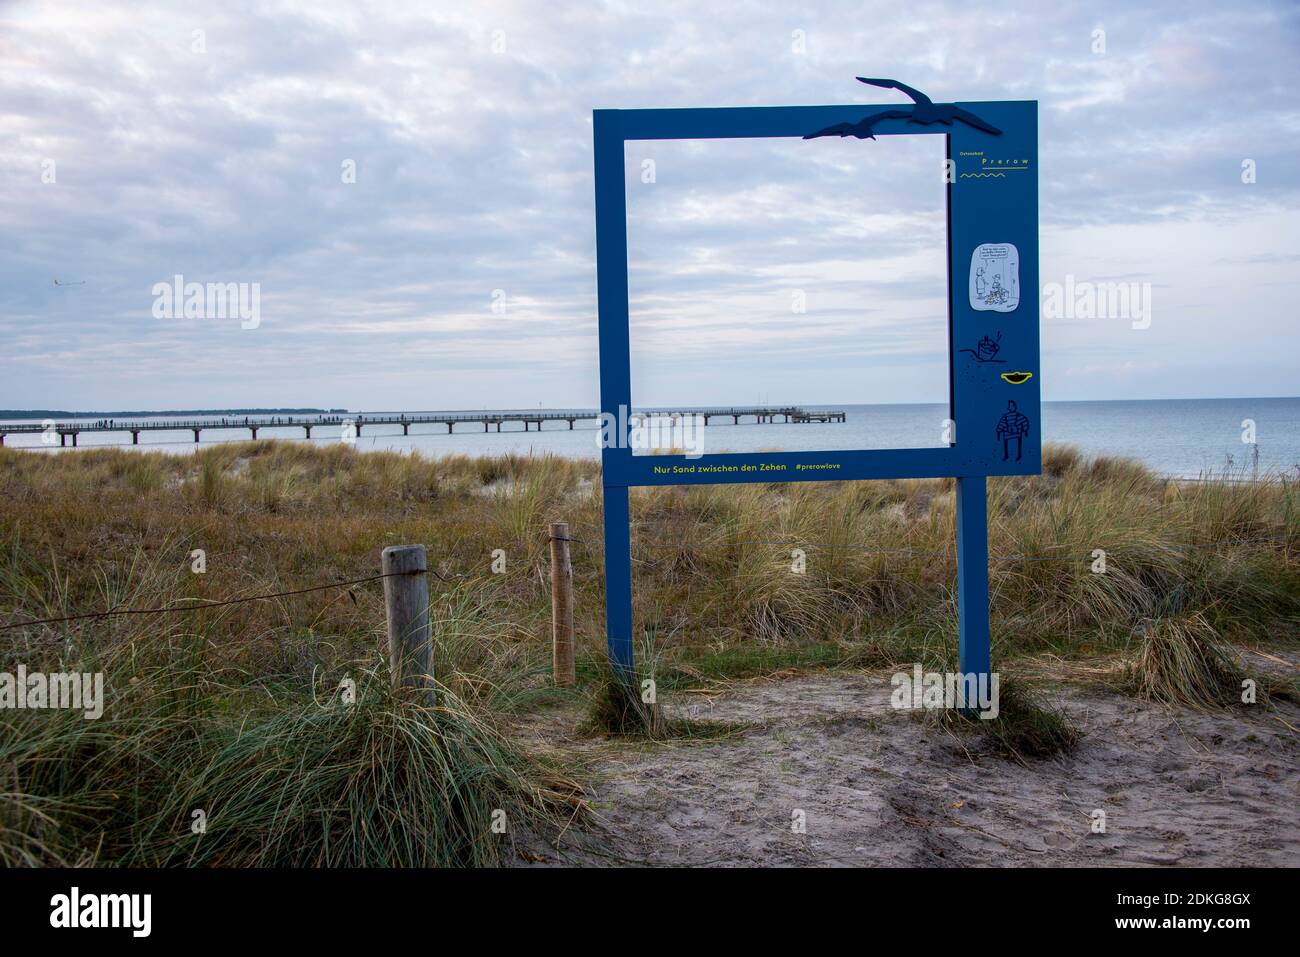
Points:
[618,578]
[973,578]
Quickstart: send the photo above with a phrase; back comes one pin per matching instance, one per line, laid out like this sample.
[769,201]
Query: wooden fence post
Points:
[561,607]
[406,598]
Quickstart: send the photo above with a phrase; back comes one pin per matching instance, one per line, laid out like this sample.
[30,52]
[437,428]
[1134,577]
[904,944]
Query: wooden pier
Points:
[253,424]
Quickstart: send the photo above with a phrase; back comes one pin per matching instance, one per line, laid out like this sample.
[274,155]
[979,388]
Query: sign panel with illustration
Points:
[995,277]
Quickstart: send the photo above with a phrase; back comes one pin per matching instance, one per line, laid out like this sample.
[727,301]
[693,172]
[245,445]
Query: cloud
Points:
[470,130]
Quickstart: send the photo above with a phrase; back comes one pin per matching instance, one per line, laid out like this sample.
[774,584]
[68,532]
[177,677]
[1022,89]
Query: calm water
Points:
[1181,437]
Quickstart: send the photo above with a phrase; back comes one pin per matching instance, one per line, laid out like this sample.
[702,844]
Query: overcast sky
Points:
[222,156]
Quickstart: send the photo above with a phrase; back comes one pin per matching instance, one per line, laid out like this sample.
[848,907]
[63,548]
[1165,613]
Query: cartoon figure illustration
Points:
[981,284]
[1012,425]
[925,112]
[997,295]
[986,349]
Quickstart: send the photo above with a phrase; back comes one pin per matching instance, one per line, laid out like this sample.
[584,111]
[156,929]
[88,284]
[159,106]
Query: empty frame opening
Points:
[777,274]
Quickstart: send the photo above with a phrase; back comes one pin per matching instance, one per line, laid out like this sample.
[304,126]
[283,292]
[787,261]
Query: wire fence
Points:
[203,604]
[681,545]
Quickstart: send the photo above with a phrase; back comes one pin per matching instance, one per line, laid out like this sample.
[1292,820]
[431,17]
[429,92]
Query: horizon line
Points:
[336,410]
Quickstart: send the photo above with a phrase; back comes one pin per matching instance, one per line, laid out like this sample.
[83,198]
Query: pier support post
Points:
[307,429]
[74,440]
[135,437]
[253,429]
[406,428]
[562,667]
[406,600]
[195,431]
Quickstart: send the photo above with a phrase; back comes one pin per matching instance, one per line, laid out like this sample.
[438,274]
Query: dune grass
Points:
[1026,727]
[619,706]
[713,564]
[626,704]
[1182,661]
[197,760]
[231,710]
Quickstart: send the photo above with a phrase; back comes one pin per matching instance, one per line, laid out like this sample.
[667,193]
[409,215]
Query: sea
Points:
[1184,438]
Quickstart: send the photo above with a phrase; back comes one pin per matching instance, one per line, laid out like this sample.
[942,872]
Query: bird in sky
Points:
[925,112]
[81,283]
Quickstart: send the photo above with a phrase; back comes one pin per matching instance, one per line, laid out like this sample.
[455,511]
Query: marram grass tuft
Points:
[1183,661]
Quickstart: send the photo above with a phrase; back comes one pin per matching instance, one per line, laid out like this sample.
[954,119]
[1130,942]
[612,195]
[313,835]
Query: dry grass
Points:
[1026,727]
[716,590]
[1183,661]
[713,564]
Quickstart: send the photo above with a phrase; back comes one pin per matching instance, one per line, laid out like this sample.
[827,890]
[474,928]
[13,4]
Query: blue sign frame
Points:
[994,382]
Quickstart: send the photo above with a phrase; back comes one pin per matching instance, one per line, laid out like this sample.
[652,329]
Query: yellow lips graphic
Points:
[1017,378]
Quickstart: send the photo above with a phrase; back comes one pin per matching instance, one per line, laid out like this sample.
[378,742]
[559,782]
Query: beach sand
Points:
[880,787]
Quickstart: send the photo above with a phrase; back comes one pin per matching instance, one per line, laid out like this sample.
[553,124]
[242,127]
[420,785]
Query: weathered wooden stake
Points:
[561,607]
[406,597]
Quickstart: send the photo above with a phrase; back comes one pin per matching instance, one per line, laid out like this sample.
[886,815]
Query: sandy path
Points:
[878,787]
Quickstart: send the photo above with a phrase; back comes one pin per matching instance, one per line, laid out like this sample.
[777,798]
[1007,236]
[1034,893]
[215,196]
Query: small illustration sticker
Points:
[1012,425]
[1017,378]
[986,350]
[995,278]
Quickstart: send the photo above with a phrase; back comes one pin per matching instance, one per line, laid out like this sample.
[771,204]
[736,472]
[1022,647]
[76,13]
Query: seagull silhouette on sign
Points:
[925,112]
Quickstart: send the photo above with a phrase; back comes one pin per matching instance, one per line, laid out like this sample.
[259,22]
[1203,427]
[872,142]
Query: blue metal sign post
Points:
[993,328]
